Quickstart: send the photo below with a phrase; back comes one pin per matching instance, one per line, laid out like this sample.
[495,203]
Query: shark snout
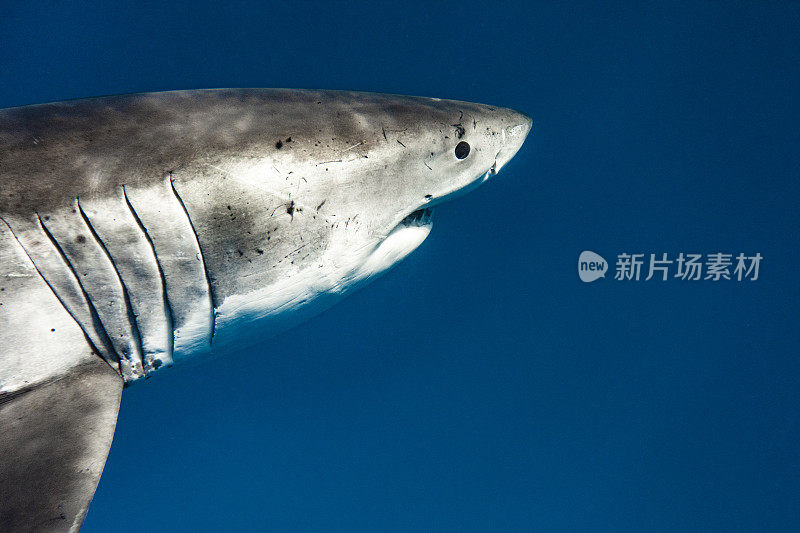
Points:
[514,133]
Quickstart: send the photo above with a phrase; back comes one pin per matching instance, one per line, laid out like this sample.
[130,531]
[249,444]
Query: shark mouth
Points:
[420,217]
[409,233]
[404,238]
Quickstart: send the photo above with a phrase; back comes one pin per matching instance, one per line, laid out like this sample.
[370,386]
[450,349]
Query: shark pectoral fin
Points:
[54,439]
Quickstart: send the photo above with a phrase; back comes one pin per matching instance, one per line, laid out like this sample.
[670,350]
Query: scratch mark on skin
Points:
[326,162]
[427,165]
[401,144]
[296,250]
[384,133]
[287,256]
[291,208]
[351,147]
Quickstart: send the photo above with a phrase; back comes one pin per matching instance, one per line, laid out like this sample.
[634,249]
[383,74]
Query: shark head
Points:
[314,193]
[441,149]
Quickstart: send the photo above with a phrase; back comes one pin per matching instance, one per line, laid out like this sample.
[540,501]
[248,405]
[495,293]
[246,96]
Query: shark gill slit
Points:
[165,296]
[212,299]
[96,323]
[137,338]
[92,346]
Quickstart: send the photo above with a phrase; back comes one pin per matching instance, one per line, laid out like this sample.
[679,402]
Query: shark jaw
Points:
[401,241]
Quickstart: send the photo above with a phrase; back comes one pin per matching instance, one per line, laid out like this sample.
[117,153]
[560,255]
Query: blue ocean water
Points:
[480,385]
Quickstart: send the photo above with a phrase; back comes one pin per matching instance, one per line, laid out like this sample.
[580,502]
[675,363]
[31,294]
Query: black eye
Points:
[462,150]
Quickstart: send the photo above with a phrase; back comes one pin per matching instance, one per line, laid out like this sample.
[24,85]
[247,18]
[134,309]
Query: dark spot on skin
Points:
[52,329]
[462,150]
[288,139]
[460,131]
[229,208]
[260,251]
[428,196]
[80,239]
[241,253]
[290,209]
[157,364]
[279,145]
[47,217]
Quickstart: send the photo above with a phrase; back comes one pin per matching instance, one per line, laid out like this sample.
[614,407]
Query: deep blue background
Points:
[480,385]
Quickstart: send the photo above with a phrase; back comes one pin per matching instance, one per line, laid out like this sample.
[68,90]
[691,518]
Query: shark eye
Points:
[462,150]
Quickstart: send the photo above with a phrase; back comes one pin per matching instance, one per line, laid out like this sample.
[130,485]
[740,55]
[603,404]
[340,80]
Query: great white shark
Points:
[139,231]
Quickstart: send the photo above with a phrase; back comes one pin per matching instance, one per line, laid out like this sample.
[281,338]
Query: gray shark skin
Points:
[139,231]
